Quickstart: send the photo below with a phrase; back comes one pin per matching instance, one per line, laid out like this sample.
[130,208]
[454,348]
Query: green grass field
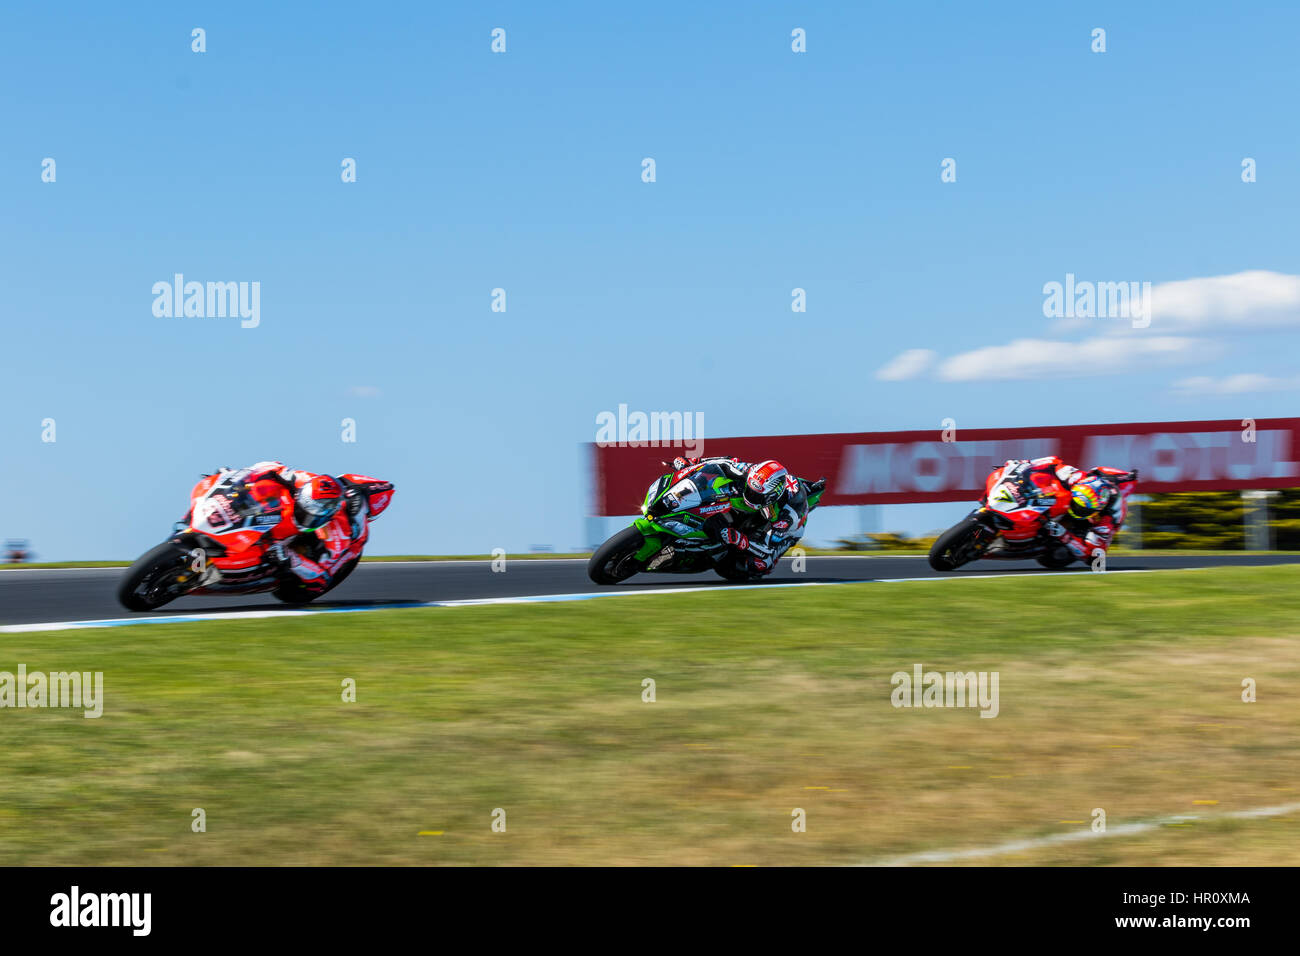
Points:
[1118,691]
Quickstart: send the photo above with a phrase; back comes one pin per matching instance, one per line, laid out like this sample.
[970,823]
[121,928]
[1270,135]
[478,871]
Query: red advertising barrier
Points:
[871,468]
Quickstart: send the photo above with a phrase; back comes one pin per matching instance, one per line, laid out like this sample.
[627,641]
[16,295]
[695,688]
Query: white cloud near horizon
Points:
[1239,384]
[908,364]
[1255,298]
[1048,358]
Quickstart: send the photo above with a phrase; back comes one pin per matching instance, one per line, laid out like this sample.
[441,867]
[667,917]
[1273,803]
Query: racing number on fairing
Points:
[682,488]
[682,495]
[218,513]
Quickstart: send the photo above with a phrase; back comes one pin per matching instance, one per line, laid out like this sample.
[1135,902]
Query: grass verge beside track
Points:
[1118,691]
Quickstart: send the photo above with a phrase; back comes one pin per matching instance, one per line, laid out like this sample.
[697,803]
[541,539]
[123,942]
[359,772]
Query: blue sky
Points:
[522,171]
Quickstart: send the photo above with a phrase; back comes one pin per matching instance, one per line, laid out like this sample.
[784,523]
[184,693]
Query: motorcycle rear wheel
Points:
[293,592]
[732,568]
[154,579]
[1056,559]
[615,560]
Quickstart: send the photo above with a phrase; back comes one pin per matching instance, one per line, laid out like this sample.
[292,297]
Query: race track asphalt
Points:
[29,596]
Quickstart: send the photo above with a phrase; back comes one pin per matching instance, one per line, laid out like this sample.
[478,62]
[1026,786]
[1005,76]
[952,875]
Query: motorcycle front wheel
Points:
[158,576]
[615,560]
[960,544]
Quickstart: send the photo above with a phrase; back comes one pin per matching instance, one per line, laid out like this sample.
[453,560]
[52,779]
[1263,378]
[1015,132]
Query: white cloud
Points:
[363,391]
[1256,298]
[1046,358]
[1253,299]
[1240,384]
[907,364]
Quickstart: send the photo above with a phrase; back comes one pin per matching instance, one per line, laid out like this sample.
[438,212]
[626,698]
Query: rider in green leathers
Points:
[767,511]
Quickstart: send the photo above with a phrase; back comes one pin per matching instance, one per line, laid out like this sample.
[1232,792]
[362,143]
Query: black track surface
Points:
[36,596]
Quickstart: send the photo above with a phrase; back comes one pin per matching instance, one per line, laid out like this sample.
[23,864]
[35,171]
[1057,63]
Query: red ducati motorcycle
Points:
[1009,523]
[221,545]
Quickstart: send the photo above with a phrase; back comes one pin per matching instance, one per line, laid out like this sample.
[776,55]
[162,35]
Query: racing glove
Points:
[734,538]
[277,555]
[762,557]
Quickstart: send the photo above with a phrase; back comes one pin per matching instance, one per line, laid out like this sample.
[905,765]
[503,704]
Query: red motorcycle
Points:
[1009,523]
[221,545]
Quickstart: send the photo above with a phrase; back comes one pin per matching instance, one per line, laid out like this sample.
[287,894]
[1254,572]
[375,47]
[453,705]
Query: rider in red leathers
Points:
[1090,506]
[327,516]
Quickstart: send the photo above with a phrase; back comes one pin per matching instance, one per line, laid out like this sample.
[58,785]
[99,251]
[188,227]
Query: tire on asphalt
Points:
[946,554]
[614,560]
[144,586]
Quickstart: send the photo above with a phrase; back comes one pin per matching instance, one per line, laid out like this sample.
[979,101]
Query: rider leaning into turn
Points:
[308,502]
[772,503]
[1095,503]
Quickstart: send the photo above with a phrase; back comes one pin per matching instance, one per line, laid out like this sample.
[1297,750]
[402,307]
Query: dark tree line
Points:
[1215,520]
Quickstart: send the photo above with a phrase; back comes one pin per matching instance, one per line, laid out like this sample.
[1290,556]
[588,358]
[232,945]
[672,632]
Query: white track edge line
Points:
[1033,843]
[522,599]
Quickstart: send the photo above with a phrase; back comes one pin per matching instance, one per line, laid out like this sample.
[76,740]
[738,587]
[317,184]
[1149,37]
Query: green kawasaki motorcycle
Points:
[670,537]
